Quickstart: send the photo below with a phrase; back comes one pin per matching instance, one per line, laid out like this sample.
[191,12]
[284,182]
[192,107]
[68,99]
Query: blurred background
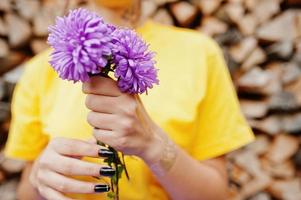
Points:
[261,40]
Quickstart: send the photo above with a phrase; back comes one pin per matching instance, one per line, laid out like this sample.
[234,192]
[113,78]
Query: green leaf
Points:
[111,195]
[114,179]
[120,170]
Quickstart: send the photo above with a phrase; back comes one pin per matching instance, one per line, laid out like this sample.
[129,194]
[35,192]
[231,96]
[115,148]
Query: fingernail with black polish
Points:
[101,188]
[107,171]
[105,153]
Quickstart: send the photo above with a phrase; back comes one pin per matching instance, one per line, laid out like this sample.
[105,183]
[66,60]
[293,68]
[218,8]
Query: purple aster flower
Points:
[134,62]
[82,43]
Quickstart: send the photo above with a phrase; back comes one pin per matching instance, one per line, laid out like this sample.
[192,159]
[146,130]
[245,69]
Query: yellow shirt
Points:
[195,104]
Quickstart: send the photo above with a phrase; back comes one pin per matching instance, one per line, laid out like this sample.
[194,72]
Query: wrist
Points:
[154,147]
[161,155]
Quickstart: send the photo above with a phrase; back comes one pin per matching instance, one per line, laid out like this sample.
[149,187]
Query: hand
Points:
[121,121]
[60,159]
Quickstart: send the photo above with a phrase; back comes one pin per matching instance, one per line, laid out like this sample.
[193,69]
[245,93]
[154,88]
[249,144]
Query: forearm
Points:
[188,178]
[25,189]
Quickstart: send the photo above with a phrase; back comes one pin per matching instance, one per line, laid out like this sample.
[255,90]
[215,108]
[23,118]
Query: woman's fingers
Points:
[73,147]
[101,86]
[51,194]
[74,167]
[102,120]
[108,137]
[102,104]
[64,184]
[59,160]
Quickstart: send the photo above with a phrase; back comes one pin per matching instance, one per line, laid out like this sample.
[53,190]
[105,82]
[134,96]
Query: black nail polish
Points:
[107,171]
[101,188]
[105,153]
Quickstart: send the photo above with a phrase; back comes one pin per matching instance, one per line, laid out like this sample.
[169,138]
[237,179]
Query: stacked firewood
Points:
[23,32]
[261,40]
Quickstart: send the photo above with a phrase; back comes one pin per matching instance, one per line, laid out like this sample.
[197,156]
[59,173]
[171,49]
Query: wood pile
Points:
[261,40]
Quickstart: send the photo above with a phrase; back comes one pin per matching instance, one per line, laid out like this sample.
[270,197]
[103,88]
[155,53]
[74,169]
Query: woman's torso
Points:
[172,104]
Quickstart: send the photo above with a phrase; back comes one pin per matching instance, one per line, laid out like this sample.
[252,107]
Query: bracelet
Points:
[167,159]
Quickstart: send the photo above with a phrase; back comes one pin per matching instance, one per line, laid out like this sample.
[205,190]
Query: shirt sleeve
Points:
[26,139]
[221,127]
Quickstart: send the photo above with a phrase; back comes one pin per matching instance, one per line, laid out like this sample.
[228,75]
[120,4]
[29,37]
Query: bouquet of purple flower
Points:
[85,45]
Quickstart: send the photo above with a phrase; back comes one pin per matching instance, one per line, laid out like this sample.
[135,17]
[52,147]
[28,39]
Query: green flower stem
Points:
[117,162]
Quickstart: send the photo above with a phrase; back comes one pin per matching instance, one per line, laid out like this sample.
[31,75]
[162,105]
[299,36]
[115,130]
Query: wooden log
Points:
[283,170]
[222,15]
[292,123]
[4,49]
[256,185]
[238,175]
[232,36]
[163,17]
[42,20]
[248,161]
[261,196]
[283,102]
[297,57]
[162,2]
[266,9]
[208,7]
[256,57]
[27,9]
[8,189]
[291,73]
[11,166]
[2,90]
[261,82]
[260,146]
[251,4]
[212,26]
[148,9]
[38,45]
[235,11]
[11,61]
[242,50]
[283,148]
[19,30]
[256,81]
[232,65]
[5,111]
[184,13]
[281,28]
[295,88]
[247,24]
[286,189]
[282,50]
[275,70]
[2,177]
[235,1]
[254,109]
[5,5]
[297,159]
[3,28]
[271,125]
[293,2]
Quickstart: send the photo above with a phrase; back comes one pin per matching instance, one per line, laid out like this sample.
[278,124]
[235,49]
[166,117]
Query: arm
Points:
[25,190]
[27,141]
[194,180]
[45,179]
[123,123]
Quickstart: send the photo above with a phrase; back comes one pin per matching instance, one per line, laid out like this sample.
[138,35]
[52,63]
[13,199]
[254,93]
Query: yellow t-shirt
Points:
[195,104]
